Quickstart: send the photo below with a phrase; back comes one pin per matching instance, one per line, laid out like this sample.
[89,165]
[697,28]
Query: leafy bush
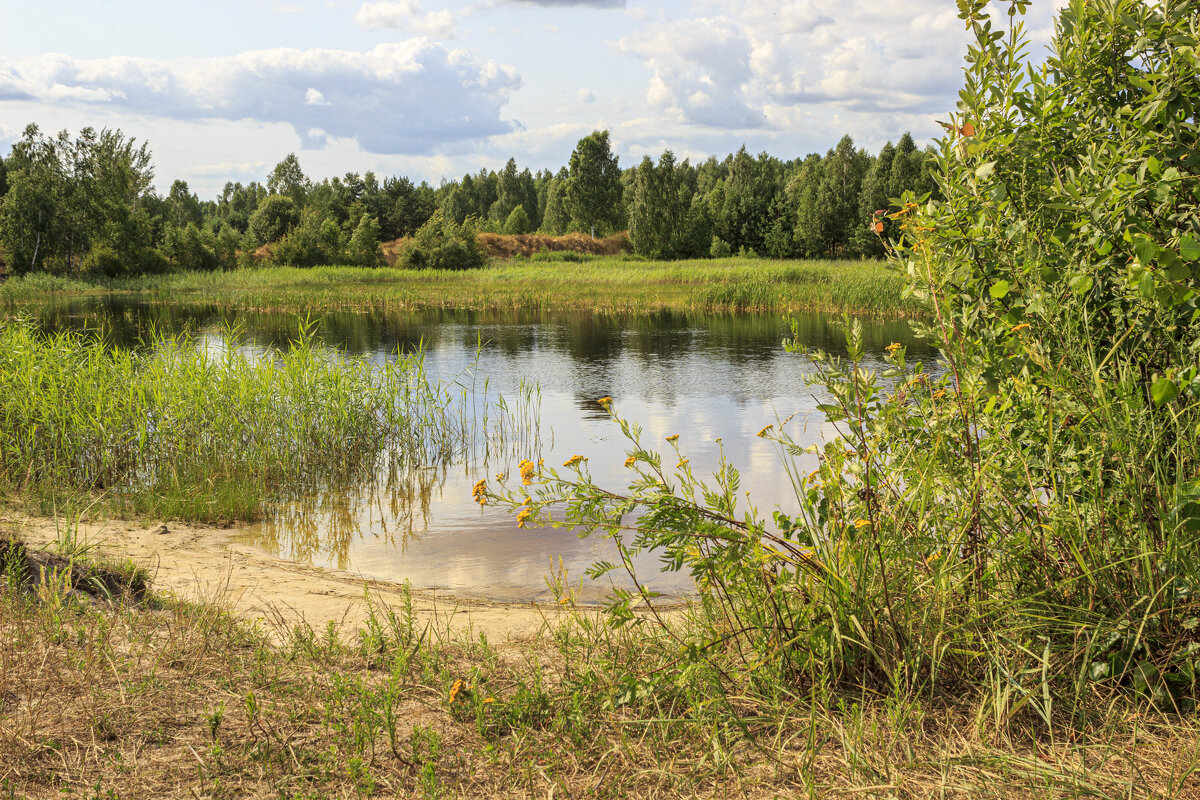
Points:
[441,244]
[314,241]
[274,217]
[1025,518]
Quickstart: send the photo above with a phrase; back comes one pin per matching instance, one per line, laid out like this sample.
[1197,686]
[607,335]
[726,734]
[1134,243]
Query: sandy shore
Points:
[202,563]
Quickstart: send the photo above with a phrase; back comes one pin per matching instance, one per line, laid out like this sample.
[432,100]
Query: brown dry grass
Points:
[165,699]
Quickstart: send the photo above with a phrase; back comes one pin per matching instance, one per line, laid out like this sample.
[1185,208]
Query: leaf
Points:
[985,170]
[999,289]
[1163,390]
[1081,284]
[1189,248]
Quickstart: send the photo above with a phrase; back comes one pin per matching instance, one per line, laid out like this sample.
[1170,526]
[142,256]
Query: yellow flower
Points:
[524,516]
[862,523]
[674,437]
[479,492]
[604,400]
[763,432]
[893,347]
[528,501]
[939,394]
[814,474]
[527,469]
[629,462]
[682,463]
[458,686]
[487,700]
[1020,327]
[573,460]
[933,557]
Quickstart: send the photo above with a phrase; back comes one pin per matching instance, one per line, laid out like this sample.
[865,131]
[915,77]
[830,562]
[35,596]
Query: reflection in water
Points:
[702,376]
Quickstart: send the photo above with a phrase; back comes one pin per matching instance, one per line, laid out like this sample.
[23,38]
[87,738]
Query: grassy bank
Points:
[116,694]
[601,284]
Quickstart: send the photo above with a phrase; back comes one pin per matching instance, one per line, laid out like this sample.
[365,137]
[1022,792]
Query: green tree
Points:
[183,207]
[363,249]
[556,220]
[517,222]
[659,209]
[275,216]
[593,190]
[288,178]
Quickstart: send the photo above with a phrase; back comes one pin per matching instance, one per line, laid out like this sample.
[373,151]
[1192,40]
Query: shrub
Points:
[441,244]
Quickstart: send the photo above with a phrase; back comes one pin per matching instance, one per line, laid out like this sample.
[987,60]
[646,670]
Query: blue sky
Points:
[223,90]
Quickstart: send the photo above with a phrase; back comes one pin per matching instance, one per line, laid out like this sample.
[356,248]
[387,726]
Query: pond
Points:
[703,377]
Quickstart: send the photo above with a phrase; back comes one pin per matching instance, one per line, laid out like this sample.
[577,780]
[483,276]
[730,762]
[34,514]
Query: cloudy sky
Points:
[223,90]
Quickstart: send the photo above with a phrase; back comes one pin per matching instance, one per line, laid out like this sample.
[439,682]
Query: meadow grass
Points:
[111,695]
[601,284]
[185,428]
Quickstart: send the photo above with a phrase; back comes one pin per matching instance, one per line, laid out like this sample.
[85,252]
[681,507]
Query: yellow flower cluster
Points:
[604,400]
[479,493]
[862,523]
[674,437]
[573,460]
[893,347]
[524,516]
[629,462]
[459,685]
[682,463]
[527,469]
[762,434]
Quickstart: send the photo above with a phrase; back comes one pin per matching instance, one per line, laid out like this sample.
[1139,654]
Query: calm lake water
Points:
[704,377]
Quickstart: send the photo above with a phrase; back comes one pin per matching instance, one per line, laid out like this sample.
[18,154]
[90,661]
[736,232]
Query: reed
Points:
[612,284]
[206,429]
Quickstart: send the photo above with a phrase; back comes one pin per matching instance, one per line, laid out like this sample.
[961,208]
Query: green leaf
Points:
[999,289]
[1189,248]
[1081,284]
[985,170]
[1163,390]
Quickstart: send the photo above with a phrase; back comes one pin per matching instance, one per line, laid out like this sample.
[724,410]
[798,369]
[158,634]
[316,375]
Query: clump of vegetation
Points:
[182,430]
[441,244]
[1019,526]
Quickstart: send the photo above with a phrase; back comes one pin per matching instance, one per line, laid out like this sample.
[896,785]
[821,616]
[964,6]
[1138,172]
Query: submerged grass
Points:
[203,430]
[602,284]
[110,696]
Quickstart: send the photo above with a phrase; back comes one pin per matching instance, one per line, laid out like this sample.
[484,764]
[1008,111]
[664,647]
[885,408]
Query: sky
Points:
[224,90]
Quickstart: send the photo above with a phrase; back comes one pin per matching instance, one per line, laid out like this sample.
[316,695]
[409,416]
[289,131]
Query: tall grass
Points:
[605,284]
[207,430]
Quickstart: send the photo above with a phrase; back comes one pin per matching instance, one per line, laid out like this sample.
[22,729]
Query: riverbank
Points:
[167,694]
[599,284]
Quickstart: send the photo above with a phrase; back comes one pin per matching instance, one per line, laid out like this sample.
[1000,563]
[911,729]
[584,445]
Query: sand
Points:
[201,563]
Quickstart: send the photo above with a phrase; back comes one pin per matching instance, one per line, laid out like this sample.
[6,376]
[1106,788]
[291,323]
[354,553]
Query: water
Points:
[703,377]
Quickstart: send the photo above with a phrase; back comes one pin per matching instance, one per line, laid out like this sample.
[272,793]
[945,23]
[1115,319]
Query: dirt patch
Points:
[205,564]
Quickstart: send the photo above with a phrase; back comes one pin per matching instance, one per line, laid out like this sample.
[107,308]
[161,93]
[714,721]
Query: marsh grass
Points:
[155,697]
[205,429]
[600,284]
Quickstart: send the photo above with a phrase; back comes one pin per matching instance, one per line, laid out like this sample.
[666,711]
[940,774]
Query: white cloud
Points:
[408,16]
[410,97]
[585,96]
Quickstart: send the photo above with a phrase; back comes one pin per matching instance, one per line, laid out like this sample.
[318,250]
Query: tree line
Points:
[86,204]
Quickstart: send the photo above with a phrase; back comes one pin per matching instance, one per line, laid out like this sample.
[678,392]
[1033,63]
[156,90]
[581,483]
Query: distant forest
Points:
[86,205]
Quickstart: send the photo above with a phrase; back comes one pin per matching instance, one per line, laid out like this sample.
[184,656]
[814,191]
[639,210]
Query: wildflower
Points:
[479,492]
[893,347]
[674,437]
[459,685]
[629,462]
[934,556]
[527,470]
[528,501]
[524,516]
[1020,327]
[763,432]
[487,700]
[862,523]
[604,400]
[573,460]
[939,394]
[814,474]
[682,463]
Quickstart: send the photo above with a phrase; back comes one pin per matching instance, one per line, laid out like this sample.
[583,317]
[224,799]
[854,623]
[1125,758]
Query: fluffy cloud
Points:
[570,3]
[408,16]
[738,64]
[404,98]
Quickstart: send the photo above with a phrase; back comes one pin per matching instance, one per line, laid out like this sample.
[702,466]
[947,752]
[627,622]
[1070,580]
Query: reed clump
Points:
[205,429]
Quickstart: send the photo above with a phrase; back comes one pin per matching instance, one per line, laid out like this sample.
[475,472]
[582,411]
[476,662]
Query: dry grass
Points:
[156,698]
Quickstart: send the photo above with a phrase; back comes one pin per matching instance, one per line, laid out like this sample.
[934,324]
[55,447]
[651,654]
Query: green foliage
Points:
[274,217]
[719,248]
[363,248]
[190,249]
[440,244]
[314,241]
[593,190]
[517,222]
